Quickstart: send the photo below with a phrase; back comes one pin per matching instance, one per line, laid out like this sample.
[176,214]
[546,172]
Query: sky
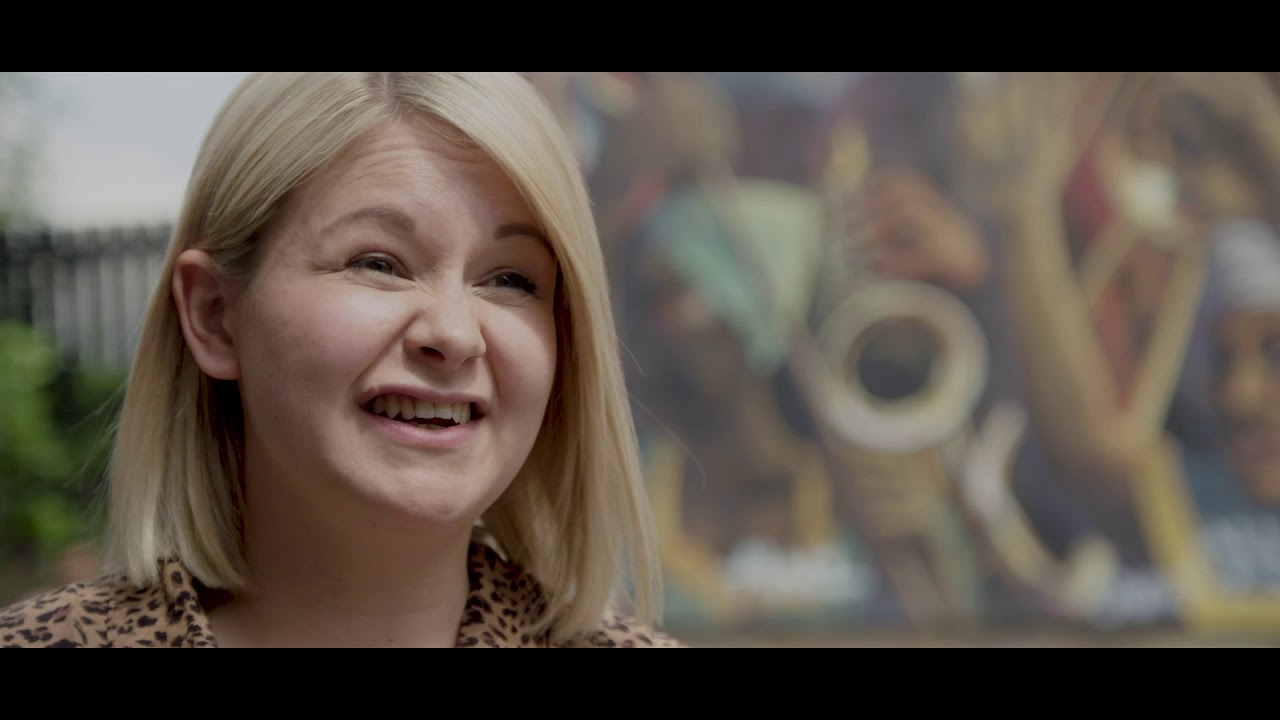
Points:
[118,148]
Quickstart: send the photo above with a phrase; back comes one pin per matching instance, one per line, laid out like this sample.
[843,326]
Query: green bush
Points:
[55,431]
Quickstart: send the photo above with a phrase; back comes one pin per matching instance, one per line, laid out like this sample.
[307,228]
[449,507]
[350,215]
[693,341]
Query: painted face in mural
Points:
[1247,395]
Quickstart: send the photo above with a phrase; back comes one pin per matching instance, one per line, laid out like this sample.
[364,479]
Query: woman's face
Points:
[397,343]
[1247,394]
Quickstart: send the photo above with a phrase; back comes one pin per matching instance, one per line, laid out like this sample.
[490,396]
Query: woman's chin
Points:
[427,510]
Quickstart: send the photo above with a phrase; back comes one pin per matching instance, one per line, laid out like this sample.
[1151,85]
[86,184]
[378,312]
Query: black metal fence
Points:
[87,289]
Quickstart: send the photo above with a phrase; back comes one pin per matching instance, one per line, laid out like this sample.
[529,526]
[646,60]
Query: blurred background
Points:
[915,358]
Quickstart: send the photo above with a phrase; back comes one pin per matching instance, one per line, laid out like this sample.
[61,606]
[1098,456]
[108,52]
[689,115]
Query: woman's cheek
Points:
[522,345]
[345,328]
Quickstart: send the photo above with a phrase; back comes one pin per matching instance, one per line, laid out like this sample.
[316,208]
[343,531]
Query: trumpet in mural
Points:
[894,376]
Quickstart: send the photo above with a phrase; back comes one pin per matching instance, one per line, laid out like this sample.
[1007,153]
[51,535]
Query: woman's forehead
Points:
[408,167]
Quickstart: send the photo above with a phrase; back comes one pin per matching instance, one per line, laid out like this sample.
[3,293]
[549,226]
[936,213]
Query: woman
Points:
[383,326]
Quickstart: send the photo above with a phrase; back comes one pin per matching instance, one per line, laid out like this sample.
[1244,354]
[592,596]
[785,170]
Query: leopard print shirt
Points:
[108,611]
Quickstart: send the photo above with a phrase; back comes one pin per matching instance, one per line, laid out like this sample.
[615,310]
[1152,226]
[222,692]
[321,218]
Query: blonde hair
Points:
[576,510]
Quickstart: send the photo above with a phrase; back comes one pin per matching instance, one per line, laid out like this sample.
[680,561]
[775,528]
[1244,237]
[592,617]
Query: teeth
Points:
[425,409]
[408,408]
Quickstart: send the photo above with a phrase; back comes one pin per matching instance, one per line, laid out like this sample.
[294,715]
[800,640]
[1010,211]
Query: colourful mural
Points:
[938,350]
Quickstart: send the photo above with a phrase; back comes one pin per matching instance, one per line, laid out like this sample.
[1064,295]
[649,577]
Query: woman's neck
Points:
[316,581]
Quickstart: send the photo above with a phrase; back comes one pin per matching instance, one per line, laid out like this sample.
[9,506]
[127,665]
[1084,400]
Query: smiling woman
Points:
[377,400]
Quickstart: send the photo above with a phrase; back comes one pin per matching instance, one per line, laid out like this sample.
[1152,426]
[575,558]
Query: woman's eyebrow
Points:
[389,216]
[511,229]
[401,223]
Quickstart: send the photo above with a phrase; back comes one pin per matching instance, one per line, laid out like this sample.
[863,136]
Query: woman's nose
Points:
[446,328]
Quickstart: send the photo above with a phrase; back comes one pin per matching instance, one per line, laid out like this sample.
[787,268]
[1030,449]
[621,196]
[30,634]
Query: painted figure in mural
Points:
[925,477]
[1054,503]
[1235,492]
[756,475]
[754,467]
[1071,224]
[717,244]
[1110,219]
[1224,146]
[742,238]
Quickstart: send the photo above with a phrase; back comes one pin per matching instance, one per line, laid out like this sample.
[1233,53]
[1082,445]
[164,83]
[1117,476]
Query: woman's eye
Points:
[514,280]
[376,263]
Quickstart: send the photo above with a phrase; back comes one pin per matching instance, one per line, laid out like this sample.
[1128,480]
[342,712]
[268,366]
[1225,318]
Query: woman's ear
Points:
[203,302]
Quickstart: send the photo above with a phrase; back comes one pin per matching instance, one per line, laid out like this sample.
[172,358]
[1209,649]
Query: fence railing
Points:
[87,289]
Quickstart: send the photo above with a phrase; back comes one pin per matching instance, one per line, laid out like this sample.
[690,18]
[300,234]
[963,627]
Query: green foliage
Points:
[54,445]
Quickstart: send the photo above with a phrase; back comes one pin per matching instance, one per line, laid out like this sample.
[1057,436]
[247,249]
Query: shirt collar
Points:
[503,604]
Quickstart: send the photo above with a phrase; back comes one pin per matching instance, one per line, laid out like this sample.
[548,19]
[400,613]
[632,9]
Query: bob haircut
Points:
[576,513]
